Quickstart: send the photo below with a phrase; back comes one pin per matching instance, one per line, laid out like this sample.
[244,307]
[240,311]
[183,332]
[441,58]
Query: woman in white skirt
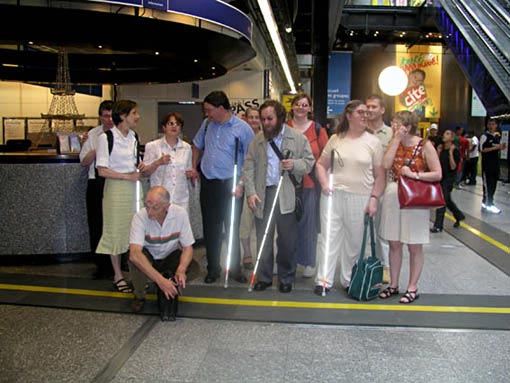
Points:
[406,226]
[167,161]
[358,182]
[117,162]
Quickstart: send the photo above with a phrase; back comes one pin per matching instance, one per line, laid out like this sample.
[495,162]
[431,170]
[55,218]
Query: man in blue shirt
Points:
[214,146]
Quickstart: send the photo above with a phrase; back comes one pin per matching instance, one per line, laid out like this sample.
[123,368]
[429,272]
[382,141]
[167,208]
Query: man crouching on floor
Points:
[158,233]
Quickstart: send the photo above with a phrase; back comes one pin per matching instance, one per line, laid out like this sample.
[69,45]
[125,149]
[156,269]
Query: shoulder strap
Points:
[280,156]
[109,138]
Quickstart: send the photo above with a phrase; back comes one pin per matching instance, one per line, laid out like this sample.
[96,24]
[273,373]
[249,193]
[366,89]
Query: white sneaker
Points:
[484,206]
[308,272]
[493,209]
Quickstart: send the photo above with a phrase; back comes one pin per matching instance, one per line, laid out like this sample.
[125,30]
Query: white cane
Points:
[270,218]
[328,223]
[232,215]
[138,184]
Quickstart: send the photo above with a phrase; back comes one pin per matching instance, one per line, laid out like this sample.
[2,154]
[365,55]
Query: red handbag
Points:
[417,194]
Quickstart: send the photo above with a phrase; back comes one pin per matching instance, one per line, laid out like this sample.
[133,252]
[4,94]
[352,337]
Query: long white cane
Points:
[328,224]
[232,216]
[271,213]
[138,184]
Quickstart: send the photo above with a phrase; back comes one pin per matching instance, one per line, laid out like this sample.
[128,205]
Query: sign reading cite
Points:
[422,64]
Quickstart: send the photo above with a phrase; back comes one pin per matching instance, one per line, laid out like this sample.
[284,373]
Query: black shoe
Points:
[238,277]
[436,230]
[261,286]
[211,278]
[285,287]
[319,289]
[137,305]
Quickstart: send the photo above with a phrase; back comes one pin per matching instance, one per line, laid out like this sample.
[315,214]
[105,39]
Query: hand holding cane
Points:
[328,222]
[270,218]
[232,215]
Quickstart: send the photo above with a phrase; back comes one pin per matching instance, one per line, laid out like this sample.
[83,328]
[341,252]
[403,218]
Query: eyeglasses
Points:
[301,105]
[173,123]
[362,112]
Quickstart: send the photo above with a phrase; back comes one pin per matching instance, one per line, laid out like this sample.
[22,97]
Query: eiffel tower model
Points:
[63,112]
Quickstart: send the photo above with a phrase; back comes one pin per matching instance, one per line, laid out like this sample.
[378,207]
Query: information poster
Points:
[14,129]
[422,64]
[36,125]
[339,82]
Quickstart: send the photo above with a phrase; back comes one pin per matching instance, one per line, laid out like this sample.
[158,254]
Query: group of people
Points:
[283,165]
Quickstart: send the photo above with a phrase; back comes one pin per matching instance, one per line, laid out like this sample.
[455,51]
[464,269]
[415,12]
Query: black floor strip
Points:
[118,360]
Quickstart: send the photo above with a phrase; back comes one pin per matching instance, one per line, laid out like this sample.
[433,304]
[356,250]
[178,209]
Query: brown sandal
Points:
[388,292]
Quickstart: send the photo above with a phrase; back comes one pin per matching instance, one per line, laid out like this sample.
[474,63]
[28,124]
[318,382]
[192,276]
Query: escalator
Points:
[478,33]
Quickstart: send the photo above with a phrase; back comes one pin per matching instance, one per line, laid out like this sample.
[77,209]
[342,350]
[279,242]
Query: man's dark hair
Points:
[121,107]
[279,109]
[218,98]
[105,105]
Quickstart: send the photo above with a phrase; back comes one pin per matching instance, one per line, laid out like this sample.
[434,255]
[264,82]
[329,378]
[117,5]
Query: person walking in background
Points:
[490,147]
[160,248]
[472,163]
[247,217]
[449,158]
[433,135]
[462,144]
[407,155]
[167,161]
[308,227]
[95,186]
[376,109]
[116,161]
[358,183]
[214,147]
[261,174]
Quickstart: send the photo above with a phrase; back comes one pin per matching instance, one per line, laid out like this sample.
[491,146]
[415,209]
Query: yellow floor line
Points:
[265,303]
[481,235]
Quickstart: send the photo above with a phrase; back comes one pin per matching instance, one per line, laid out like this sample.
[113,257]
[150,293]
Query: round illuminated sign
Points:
[393,80]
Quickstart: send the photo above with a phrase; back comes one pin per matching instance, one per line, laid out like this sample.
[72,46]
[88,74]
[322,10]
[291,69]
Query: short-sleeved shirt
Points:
[385,134]
[218,144]
[449,174]
[173,175]
[90,145]
[475,152]
[123,156]
[162,240]
[355,160]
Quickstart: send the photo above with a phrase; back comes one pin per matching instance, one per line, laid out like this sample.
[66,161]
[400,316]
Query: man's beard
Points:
[274,133]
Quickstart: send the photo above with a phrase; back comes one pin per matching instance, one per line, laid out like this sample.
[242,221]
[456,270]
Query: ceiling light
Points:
[156,53]
[195,60]
[100,46]
[10,65]
[267,13]
[213,67]
[393,80]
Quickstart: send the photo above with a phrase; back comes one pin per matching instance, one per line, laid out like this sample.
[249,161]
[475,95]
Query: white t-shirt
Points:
[475,151]
[90,145]
[162,240]
[173,175]
[355,160]
[123,156]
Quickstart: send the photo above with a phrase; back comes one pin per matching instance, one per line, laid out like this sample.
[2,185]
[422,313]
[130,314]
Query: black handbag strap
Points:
[410,160]
[280,156]
[369,221]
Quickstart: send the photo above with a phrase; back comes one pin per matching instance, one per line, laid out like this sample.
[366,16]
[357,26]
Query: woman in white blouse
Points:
[167,161]
[117,163]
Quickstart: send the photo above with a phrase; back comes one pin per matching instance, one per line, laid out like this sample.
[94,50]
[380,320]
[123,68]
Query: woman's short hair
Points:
[176,115]
[408,118]
[351,106]
[121,107]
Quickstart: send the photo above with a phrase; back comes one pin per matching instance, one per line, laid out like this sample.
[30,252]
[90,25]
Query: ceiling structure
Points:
[113,44]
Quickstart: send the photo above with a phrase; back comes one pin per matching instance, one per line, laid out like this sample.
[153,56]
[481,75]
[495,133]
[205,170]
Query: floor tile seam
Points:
[118,360]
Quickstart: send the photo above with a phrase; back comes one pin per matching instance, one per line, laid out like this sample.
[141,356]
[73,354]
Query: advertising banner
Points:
[422,64]
[339,82]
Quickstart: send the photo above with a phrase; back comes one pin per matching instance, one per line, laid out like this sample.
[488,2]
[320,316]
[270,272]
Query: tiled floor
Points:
[58,345]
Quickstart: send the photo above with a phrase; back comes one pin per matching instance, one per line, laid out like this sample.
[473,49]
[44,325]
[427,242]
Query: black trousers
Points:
[471,169]
[287,227]
[447,187]
[94,198]
[490,181]
[215,202]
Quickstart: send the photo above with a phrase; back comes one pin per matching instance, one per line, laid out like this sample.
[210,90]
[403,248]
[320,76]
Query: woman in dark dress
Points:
[449,157]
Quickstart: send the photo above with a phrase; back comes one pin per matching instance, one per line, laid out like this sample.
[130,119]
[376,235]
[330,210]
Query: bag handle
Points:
[369,221]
